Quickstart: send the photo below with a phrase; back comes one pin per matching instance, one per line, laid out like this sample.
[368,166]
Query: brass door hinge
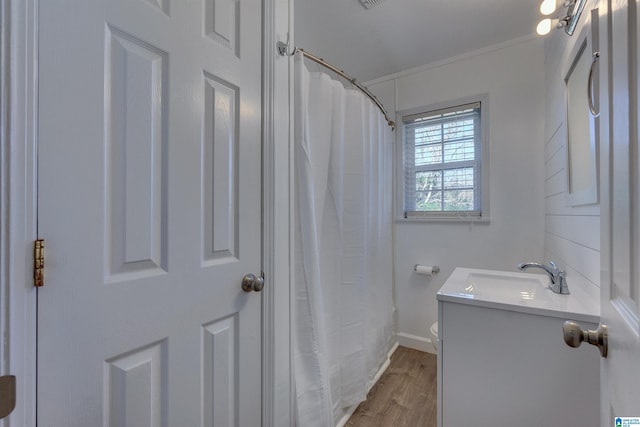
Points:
[7,395]
[38,263]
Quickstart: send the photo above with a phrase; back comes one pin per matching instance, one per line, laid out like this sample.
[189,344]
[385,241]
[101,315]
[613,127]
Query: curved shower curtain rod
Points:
[283,49]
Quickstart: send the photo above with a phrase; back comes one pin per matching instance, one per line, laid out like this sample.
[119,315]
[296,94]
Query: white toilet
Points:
[433,334]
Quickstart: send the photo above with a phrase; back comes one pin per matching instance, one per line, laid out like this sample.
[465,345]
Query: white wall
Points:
[512,75]
[572,234]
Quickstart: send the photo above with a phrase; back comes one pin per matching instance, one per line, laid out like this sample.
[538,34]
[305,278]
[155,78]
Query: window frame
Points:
[482,171]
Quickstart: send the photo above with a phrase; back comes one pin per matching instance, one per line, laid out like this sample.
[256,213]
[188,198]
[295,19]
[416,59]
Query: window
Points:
[442,154]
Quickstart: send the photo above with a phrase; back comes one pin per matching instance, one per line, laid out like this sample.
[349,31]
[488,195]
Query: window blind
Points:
[442,151]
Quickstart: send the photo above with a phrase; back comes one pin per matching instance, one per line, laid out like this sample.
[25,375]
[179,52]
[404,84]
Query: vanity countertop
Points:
[520,292]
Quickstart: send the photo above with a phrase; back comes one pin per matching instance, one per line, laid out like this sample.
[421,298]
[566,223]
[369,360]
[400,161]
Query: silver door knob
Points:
[574,335]
[251,282]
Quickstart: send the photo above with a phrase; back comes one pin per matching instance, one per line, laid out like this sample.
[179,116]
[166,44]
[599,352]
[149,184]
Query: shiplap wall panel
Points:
[577,278]
[572,233]
[556,204]
[555,112]
[581,258]
[555,184]
[556,164]
[555,146]
[583,230]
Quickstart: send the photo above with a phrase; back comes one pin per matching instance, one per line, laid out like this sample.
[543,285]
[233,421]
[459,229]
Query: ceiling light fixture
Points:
[548,7]
[368,4]
[568,21]
[544,27]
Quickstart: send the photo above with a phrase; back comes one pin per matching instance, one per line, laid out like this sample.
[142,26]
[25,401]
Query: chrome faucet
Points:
[558,277]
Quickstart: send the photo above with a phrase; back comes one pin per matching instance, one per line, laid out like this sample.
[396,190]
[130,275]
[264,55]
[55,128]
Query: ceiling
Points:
[396,35]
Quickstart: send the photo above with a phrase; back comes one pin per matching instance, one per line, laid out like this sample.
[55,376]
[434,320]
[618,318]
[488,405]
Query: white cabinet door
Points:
[149,201]
[620,187]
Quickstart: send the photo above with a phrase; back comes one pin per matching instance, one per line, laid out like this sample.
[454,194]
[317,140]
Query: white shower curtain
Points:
[343,253]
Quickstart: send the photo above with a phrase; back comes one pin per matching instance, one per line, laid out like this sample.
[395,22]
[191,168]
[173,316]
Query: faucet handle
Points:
[557,277]
[562,283]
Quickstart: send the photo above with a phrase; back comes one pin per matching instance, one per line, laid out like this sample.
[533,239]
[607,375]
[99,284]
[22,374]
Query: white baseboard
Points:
[385,365]
[383,368]
[415,342]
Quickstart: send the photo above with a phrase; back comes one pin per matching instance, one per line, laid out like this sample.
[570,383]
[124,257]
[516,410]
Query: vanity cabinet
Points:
[501,367]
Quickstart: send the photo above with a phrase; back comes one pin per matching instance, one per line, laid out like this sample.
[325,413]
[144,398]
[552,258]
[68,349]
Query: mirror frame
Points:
[583,48]
[574,11]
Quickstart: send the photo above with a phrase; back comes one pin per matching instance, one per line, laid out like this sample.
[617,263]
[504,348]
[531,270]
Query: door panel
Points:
[220,165]
[219,369]
[135,387]
[620,209]
[222,23]
[148,110]
[136,142]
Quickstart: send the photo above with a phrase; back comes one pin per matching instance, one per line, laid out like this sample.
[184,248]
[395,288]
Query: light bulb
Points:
[544,27]
[548,7]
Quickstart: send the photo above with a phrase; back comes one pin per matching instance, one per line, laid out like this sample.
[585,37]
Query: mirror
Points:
[581,125]
[574,11]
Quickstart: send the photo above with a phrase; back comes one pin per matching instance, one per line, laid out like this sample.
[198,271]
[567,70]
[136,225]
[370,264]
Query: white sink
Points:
[513,286]
[516,291]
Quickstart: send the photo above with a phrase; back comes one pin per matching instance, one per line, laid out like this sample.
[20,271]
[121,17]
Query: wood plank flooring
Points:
[405,395]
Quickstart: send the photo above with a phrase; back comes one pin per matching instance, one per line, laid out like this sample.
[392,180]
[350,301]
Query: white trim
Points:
[268,229]
[384,366]
[343,421]
[415,342]
[291,223]
[18,202]
[470,220]
[277,406]
[485,162]
[291,186]
[447,61]
[4,182]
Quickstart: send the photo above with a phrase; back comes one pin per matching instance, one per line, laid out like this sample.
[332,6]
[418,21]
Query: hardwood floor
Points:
[405,395]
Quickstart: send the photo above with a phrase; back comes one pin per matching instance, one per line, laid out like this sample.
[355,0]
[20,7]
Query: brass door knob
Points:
[574,335]
[251,282]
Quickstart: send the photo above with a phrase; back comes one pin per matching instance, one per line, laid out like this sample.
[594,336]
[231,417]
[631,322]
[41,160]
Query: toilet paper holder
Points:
[427,270]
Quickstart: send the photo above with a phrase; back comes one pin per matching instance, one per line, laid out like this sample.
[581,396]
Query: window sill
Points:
[436,219]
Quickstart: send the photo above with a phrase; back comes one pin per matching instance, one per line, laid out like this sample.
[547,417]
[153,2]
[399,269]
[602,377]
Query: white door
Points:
[149,201]
[620,206]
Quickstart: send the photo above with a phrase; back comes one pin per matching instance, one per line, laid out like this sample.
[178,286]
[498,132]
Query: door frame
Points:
[18,208]
[18,82]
